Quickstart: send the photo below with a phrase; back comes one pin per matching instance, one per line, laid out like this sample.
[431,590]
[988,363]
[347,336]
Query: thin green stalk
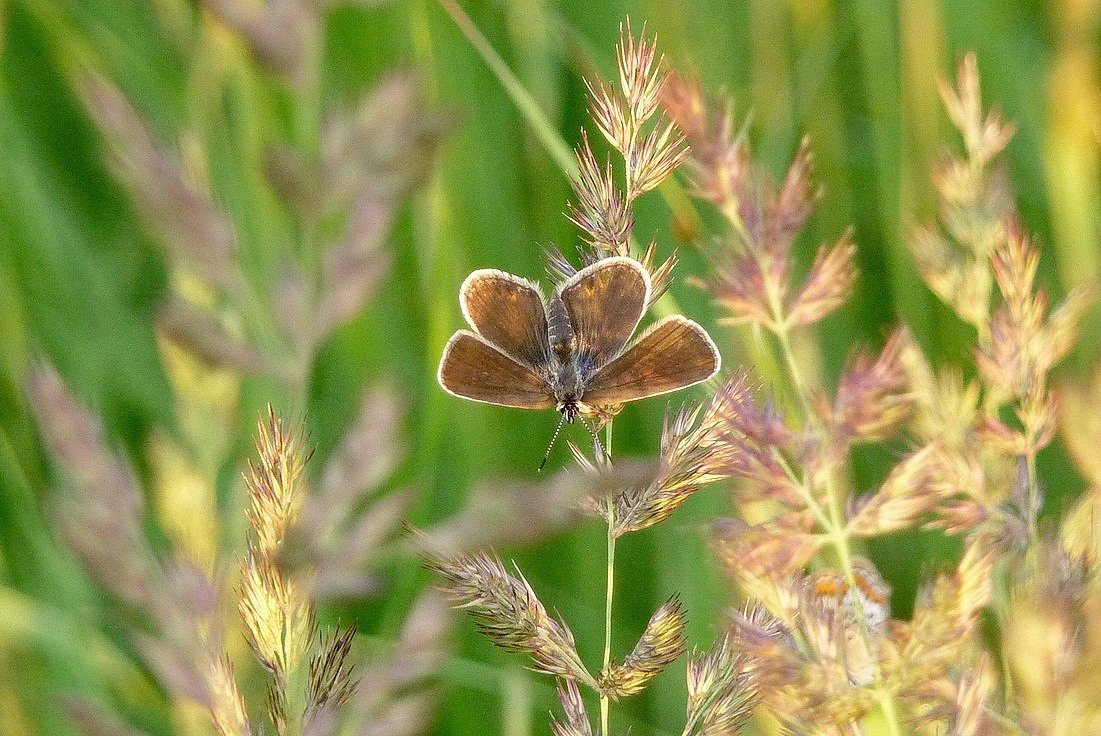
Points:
[529,108]
[294,703]
[516,702]
[890,712]
[605,703]
[836,527]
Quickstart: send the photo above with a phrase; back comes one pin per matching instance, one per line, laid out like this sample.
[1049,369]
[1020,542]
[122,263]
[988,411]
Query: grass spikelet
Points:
[102,519]
[772,550]
[692,456]
[650,156]
[228,711]
[650,145]
[274,484]
[312,678]
[575,721]
[278,619]
[719,162]
[984,136]
[721,691]
[972,712]
[196,234]
[828,285]
[760,443]
[601,211]
[277,613]
[660,644]
[1052,645]
[907,493]
[508,611]
[872,399]
[331,683]
[975,205]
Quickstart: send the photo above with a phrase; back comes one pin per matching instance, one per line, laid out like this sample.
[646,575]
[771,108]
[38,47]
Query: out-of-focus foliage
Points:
[178,179]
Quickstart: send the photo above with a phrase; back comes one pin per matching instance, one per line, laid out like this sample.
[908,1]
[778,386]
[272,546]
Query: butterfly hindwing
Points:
[474,369]
[508,312]
[605,302]
[675,353]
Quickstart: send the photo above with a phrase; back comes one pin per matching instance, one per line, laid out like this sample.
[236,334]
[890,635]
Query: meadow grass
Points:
[105,275]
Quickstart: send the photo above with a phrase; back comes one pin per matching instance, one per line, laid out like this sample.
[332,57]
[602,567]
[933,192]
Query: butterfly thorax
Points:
[570,368]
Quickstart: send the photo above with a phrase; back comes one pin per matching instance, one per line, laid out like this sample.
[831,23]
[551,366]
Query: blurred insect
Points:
[861,615]
[569,353]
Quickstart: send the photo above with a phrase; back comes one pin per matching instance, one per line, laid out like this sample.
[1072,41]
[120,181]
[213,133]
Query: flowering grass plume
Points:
[341,189]
[659,646]
[815,647]
[692,456]
[267,254]
[651,146]
[312,687]
[103,519]
[821,647]
[508,611]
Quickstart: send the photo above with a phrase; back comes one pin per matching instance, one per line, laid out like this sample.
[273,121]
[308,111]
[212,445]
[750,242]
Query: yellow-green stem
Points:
[610,518]
[604,702]
[1033,493]
[294,699]
[890,713]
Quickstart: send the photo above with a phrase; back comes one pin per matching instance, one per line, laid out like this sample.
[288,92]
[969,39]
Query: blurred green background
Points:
[81,278]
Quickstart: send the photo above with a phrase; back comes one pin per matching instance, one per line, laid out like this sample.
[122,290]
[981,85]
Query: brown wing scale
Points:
[508,312]
[605,301]
[474,369]
[673,354]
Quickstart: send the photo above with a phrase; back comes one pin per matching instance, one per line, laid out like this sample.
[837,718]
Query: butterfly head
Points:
[572,408]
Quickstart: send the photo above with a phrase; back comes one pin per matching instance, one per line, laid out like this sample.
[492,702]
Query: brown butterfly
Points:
[569,353]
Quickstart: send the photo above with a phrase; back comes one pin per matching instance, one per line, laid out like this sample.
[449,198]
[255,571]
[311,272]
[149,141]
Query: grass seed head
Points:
[721,691]
[575,720]
[660,644]
[507,610]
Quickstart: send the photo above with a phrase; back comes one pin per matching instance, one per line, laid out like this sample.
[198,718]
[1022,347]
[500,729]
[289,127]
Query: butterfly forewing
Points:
[474,369]
[605,301]
[508,312]
[673,354]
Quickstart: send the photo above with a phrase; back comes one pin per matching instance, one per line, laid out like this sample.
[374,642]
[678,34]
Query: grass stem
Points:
[529,108]
[604,702]
[610,589]
[835,525]
[1033,510]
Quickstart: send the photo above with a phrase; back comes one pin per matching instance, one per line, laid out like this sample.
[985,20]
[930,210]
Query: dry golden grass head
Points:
[1054,624]
[228,711]
[278,615]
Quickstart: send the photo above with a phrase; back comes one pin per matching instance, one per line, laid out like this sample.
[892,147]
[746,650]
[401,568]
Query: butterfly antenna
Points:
[554,438]
[599,448]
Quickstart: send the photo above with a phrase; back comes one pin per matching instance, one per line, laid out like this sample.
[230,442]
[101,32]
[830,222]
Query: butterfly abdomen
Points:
[559,327]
